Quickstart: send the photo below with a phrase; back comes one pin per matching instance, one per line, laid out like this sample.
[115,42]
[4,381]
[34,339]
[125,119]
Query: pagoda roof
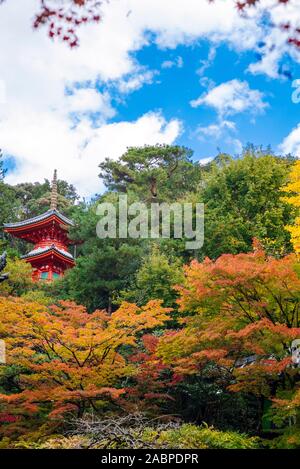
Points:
[43,252]
[40,218]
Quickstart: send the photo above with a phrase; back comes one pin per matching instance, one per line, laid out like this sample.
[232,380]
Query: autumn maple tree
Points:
[240,313]
[63,360]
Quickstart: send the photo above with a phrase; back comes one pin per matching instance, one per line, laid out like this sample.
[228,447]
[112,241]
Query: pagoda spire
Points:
[53,204]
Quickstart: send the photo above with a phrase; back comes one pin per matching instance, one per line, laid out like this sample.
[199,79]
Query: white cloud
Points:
[231,98]
[206,63]
[215,130]
[222,130]
[236,144]
[84,100]
[291,144]
[42,144]
[177,62]
[176,23]
[204,161]
[136,81]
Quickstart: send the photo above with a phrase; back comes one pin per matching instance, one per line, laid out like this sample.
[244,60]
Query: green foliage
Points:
[34,198]
[243,201]
[104,266]
[7,202]
[38,296]
[204,398]
[152,172]
[19,280]
[155,279]
[98,276]
[7,196]
[190,436]
[290,439]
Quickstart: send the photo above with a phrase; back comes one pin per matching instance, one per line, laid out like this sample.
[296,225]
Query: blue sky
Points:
[151,72]
[174,88]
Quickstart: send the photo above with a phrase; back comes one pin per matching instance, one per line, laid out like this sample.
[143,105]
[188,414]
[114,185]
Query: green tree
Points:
[155,279]
[34,198]
[160,172]
[243,201]
[103,268]
[8,203]
[19,280]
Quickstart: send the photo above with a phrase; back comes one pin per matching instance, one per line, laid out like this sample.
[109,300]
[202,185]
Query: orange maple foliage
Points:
[241,313]
[66,359]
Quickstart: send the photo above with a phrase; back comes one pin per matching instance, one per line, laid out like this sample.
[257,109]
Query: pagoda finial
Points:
[53,205]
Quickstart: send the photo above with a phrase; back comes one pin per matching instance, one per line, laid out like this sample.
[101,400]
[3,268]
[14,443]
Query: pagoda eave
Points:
[47,218]
[40,228]
[49,256]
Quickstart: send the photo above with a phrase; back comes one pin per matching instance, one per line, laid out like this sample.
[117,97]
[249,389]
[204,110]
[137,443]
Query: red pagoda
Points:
[49,234]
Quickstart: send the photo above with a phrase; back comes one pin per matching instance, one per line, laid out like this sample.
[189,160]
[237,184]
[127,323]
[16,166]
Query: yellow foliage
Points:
[292,190]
